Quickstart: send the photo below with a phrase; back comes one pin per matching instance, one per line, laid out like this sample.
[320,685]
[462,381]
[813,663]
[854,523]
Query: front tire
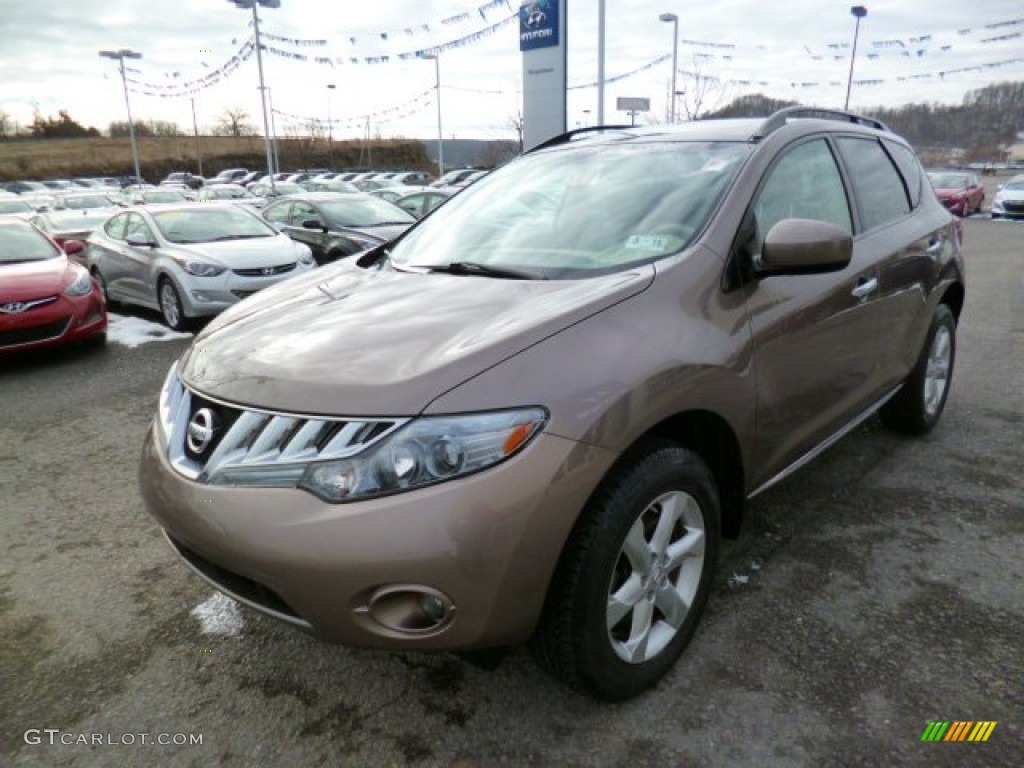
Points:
[634,577]
[171,308]
[916,408]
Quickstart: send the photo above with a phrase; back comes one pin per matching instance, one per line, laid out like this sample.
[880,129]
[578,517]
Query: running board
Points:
[824,446]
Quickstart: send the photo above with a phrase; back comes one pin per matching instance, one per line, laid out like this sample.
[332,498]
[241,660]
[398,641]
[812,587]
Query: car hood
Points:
[385,233]
[1014,195]
[245,254]
[34,279]
[348,341]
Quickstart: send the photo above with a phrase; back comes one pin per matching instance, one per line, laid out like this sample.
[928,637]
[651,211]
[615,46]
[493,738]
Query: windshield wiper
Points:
[477,269]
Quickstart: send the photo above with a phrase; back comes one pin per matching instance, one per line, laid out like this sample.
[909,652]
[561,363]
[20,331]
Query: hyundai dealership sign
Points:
[542,42]
[538,25]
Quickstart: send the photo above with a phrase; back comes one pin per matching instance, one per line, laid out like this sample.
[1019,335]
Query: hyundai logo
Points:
[201,430]
[14,307]
[536,19]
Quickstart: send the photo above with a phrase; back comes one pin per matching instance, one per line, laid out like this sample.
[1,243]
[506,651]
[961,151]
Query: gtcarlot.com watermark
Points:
[57,737]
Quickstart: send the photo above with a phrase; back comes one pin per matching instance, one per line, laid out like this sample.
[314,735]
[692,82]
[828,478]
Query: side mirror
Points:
[138,240]
[314,224]
[71,247]
[804,247]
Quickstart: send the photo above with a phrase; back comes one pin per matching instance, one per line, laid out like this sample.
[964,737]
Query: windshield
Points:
[20,244]
[15,206]
[226,193]
[82,202]
[163,196]
[281,187]
[363,211]
[1015,186]
[579,211]
[948,180]
[211,224]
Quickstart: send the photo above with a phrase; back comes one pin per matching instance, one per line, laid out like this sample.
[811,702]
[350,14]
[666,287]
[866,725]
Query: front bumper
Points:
[68,319]
[488,543]
[205,296]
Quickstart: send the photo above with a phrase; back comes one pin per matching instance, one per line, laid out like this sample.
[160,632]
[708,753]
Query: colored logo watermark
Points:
[958,730]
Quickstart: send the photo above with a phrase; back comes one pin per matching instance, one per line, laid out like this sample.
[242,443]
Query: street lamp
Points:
[859,12]
[195,130]
[259,65]
[675,56]
[437,87]
[330,127]
[600,61]
[120,56]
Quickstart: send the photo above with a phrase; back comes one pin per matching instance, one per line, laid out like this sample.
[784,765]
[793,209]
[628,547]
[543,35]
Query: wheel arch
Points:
[954,299]
[709,436]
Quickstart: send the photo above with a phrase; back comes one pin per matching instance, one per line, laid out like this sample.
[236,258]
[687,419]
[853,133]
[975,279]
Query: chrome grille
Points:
[259,439]
[265,271]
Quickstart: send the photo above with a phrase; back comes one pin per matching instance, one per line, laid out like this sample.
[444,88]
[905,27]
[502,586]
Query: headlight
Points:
[362,243]
[425,451]
[305,255]
[202,269]
[81,286]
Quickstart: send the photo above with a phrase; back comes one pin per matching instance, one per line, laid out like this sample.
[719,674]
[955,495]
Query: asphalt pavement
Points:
[877,590]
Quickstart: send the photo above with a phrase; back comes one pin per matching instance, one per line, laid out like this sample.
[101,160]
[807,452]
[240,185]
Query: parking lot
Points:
[878,589]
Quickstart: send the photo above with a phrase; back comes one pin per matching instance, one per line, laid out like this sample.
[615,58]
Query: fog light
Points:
[201,296]
[433,607]
[408,609]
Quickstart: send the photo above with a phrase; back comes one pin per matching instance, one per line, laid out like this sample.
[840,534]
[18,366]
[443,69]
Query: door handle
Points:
[865,287]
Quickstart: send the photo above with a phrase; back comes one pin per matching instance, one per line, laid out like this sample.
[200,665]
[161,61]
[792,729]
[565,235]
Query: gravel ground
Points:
[878,589]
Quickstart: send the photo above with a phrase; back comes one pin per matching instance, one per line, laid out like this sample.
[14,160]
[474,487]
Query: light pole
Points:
[600,62]
[259,65]
[120,56]
[859,12]
[273,134]
[330,127]
[437,87]
[195,130]
[675,57]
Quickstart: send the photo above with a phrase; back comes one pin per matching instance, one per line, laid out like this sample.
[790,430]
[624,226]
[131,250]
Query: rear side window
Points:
[115,227]
[910,168]
[877,185]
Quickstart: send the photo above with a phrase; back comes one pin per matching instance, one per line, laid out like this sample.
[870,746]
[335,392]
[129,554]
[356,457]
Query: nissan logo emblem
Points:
[201,430]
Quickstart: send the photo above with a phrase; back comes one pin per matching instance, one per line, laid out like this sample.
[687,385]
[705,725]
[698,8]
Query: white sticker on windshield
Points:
[647,243]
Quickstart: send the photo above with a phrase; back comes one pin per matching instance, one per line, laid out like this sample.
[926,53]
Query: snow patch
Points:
[134,331]
[219,615]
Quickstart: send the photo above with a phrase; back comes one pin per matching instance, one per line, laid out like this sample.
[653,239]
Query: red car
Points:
[961,193]
[45,299]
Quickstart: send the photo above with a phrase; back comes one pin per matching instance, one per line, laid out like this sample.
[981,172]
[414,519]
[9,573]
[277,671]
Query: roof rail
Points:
[779,118]
[564,138]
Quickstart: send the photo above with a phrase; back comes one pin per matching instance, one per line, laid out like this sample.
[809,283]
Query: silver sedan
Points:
[190,260]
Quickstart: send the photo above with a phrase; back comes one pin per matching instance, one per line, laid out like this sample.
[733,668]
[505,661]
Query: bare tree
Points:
[515,122]
[6,125]
[698,91]
[234,121]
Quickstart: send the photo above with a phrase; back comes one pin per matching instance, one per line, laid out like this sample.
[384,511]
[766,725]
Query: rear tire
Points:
[916,408]
[634,576]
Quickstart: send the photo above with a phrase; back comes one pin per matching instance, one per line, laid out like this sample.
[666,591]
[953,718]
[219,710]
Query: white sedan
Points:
[190,260]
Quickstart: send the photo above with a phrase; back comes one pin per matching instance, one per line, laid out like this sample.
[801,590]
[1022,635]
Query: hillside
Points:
[22,158]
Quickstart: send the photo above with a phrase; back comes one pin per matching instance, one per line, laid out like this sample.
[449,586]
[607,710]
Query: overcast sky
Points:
[909,50]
